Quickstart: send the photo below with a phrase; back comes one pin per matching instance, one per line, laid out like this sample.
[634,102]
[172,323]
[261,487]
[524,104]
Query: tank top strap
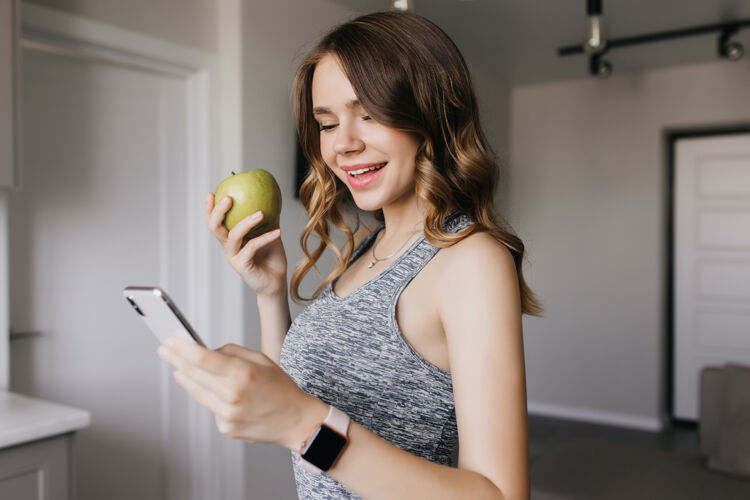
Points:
[412,262]
[457,222]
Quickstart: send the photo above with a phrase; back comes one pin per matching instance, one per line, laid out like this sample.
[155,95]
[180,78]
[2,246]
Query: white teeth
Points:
[363,170]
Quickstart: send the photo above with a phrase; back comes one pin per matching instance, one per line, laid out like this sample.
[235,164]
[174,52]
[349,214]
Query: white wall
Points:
[588,197]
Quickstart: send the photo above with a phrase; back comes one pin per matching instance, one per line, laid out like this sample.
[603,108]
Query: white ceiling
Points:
[517,40]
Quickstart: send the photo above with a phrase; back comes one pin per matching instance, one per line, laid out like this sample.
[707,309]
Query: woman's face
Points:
[350,139]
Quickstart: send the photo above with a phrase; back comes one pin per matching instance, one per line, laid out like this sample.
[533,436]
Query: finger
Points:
[251,247]
[243,353]
[180,353]
[231,430]
[215,218]
[209,207]
[224,388]
[238,232]
[204,396]
[209,204]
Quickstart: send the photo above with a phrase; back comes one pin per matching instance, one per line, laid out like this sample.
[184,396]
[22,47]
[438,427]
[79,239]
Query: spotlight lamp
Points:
[729,49]
[599,67]
[595,45]
[595,42]
[403,5]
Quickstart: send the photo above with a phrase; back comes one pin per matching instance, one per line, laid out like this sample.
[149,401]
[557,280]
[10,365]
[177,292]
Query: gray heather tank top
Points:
[350,353]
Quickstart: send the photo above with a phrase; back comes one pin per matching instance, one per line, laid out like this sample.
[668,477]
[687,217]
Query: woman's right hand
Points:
[261,261]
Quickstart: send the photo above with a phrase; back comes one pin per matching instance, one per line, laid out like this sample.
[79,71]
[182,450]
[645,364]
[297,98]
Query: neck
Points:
[401,222]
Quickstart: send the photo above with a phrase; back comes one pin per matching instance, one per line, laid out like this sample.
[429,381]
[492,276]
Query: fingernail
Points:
[169,342]
[162,351]
[226,200]
[257,215]
[208,196]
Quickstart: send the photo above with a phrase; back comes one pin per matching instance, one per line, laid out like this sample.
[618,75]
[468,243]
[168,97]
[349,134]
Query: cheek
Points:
[326,150]
[403,143]
[329,157]
[408,149]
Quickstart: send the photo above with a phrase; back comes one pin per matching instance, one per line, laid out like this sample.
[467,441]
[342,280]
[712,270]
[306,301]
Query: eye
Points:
[323,128]
[366,117]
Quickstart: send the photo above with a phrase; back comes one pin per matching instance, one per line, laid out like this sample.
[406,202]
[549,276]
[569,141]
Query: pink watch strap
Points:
[336,420]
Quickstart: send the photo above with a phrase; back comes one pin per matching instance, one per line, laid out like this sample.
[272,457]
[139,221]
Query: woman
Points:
[394,360]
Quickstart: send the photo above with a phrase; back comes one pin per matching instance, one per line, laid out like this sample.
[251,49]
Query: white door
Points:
[102,206]
[712,261]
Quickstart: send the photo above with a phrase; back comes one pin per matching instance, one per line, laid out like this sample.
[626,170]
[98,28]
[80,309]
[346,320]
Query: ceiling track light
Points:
[404,5]
[728,49]
[595,44]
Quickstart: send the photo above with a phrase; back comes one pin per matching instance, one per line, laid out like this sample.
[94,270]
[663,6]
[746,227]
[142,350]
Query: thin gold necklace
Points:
[375,259]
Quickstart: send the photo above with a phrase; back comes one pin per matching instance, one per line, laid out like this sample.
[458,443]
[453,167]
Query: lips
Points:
[366,170]
[363,180]
[360,166]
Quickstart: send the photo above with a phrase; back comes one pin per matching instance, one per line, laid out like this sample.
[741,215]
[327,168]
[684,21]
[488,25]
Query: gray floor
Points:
[579,461]
[546,434]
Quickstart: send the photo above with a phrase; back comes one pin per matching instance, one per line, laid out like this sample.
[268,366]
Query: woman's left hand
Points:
[250,395]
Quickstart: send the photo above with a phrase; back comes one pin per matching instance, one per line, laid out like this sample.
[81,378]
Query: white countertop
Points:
[24,419]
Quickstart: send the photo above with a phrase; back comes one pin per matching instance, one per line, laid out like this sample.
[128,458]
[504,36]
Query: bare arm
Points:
[275,320]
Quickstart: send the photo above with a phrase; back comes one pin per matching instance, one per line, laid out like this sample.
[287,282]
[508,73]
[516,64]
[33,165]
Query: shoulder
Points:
[477,267]
[476,253]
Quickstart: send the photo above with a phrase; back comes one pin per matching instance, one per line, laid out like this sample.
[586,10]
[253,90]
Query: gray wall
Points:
[185,22]
[493,96]
[588,198]
[112,376]
[275,36]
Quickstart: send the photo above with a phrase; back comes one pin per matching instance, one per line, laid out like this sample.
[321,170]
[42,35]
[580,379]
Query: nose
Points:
[347,139]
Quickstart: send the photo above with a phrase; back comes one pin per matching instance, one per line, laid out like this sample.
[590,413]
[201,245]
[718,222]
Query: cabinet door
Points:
[9,106]
[38,470]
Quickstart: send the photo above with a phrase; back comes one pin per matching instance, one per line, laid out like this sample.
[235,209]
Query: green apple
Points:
[251,191]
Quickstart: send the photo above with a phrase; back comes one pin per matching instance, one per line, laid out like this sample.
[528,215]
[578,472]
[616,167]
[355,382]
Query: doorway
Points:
[709,259]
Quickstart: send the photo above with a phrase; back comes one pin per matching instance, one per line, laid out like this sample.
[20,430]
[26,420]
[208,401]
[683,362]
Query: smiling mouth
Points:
[365,171]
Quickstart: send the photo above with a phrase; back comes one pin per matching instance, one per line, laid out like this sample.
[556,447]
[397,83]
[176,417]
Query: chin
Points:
[368,205]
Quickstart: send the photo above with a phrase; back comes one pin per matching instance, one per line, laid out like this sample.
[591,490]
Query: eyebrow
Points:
[320,110]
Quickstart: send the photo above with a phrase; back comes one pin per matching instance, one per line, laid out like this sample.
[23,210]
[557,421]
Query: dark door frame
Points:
[671,136]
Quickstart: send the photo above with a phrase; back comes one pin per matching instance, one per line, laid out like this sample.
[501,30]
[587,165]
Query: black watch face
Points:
[325,446]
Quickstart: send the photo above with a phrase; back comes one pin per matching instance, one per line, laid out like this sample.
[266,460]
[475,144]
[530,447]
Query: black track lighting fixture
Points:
[595,42]
[595,45]
[728,49]
[599,67]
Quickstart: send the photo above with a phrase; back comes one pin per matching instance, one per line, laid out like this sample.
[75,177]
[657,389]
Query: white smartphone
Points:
[160,314]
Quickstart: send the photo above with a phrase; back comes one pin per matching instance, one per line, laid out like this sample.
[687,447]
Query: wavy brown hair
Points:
[408,75]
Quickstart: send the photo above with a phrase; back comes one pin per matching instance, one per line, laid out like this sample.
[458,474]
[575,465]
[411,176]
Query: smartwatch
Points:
[325,444]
